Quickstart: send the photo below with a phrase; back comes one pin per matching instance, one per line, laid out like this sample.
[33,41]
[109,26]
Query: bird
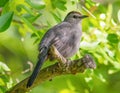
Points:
[65,37]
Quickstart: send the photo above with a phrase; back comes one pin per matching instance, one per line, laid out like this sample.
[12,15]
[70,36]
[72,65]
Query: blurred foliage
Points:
[5,78]
[21,32]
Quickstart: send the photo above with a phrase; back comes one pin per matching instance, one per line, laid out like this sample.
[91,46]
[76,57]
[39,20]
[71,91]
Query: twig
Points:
[62,67]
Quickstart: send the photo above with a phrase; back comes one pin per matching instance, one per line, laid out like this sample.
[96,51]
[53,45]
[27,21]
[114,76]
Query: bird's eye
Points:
[74,16]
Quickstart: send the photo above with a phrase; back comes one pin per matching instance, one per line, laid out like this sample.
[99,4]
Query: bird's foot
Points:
[65,67]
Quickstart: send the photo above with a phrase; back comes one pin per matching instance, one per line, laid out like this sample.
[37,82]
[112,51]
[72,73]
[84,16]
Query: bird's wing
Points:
[48,39]
[54,34]
[62,38]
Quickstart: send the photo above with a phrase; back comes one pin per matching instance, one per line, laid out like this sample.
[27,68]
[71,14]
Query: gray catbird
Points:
[64,36]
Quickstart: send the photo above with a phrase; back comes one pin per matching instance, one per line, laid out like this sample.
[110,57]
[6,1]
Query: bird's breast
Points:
[68,44]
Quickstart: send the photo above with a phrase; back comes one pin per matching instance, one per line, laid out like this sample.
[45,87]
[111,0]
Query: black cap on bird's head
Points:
[74,16]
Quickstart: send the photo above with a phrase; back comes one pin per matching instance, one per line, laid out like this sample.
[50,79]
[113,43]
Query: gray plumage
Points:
[64,36]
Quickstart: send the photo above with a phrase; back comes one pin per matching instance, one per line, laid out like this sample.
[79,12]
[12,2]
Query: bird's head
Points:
[74,17]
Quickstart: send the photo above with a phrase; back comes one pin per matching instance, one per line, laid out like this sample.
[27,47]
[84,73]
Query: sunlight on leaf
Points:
[89,81]
[2,83]
[70,85]
[102,16]
[119,15]
[35,5]
[66,91]
[10,83]
[101,77]
[3,67]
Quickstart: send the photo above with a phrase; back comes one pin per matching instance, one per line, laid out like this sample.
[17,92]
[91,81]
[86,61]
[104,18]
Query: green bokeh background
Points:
[32,18]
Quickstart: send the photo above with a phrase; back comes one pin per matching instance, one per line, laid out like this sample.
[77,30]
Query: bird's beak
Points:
[83,16]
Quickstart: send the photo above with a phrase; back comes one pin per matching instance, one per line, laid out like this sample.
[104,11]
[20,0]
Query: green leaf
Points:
[33,35]
[60,4]
[112,38]
[116,8]
[34,5]
[31,18]
[28,23]
[5,21]
[36,41]
[57,18]
[2,83]
[26,8]
[3,2]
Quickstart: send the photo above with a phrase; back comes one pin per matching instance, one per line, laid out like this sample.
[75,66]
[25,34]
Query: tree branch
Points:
[62,67]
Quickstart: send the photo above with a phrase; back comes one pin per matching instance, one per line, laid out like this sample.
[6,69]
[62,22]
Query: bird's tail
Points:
[42,58]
